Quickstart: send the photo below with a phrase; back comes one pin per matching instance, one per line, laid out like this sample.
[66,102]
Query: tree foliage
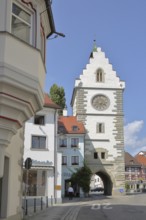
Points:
[82,177]
[57,94]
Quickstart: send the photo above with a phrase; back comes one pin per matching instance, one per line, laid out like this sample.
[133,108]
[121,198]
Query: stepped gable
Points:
[49,103]
[70,125]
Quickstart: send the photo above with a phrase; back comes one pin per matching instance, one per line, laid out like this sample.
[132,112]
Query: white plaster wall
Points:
[50,183]
[88,77]
[44,130]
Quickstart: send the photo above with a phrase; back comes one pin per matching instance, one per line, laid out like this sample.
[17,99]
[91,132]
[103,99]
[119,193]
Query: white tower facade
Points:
[97,101]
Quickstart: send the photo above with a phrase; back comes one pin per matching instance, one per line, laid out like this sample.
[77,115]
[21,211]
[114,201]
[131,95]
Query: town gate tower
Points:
[97,101]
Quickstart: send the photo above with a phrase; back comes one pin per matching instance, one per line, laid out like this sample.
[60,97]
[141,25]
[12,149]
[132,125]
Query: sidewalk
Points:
[67,210]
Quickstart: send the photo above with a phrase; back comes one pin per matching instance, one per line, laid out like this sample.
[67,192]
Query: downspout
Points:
[55,154]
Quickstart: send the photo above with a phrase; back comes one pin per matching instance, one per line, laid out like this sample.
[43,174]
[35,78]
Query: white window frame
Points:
[64,157]
[38,148]
[74,160]
[76,139]
[62,142]
[28,11]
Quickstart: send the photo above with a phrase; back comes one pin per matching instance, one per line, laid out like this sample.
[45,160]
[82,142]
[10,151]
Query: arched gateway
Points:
[97,101]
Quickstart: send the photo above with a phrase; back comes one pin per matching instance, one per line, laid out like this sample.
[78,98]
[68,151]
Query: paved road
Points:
[97,207]
[131,207]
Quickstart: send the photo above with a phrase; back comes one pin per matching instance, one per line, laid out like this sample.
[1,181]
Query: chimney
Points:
[65,111]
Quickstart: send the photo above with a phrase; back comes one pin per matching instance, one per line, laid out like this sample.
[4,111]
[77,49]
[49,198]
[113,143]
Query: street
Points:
[128,207]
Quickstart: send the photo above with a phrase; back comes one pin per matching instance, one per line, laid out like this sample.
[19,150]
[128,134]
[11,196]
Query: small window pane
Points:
[21,13]
[64,160]
[20,30]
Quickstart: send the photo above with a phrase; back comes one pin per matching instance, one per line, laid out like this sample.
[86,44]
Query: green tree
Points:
[57,94]
[82,177]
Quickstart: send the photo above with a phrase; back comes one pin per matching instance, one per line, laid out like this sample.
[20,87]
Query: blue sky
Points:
[119,28]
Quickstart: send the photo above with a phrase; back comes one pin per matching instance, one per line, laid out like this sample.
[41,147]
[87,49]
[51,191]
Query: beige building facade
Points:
[23,33]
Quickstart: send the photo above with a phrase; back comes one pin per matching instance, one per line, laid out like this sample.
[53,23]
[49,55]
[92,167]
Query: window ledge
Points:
[37,149]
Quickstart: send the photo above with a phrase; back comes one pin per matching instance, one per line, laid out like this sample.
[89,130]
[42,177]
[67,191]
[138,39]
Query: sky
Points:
[119,28]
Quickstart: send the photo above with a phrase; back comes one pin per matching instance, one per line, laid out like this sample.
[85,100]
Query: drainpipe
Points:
[55,154]
[2,155]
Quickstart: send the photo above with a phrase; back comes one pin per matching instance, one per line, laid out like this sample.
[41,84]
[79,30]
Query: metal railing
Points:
[31,205]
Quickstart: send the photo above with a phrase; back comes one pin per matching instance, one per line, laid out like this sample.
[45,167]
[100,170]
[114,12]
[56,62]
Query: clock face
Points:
[100,102]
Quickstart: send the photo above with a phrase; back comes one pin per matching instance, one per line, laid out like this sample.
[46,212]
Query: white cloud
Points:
[134,144]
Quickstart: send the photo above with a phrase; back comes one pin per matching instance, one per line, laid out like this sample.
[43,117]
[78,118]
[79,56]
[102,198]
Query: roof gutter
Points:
[50,16]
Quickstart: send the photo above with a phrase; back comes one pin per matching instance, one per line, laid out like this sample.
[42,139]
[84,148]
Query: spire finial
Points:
[94,46]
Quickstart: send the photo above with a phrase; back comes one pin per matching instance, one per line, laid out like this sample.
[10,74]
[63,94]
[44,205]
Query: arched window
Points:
[99,75]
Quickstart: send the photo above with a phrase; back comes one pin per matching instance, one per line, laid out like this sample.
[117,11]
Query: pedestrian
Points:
[70,192]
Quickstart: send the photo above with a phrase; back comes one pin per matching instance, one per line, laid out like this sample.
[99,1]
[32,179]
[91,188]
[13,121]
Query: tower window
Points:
[100,128]
[99,75]
[95,155]
[102,155]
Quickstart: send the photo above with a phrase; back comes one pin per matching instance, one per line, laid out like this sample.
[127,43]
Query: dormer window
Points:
[99,75]
[21,23]
[75,128]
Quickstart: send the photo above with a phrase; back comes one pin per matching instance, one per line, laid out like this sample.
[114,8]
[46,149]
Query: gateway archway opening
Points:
[107,183]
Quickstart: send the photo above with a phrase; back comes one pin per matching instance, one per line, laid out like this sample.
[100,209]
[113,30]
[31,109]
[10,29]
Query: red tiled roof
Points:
[130,160]
[49,103]
[66,124]
[141,157]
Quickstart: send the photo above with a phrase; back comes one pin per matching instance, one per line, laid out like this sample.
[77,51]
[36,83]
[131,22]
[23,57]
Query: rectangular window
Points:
[102,155]
[100,128]
[21,23]
[64,160]
[36,182]
[75,160]
[95,155]
[39,142]
[74,142]
[63,142]
[39,120]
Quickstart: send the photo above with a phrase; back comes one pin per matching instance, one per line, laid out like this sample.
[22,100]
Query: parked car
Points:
[97,189]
